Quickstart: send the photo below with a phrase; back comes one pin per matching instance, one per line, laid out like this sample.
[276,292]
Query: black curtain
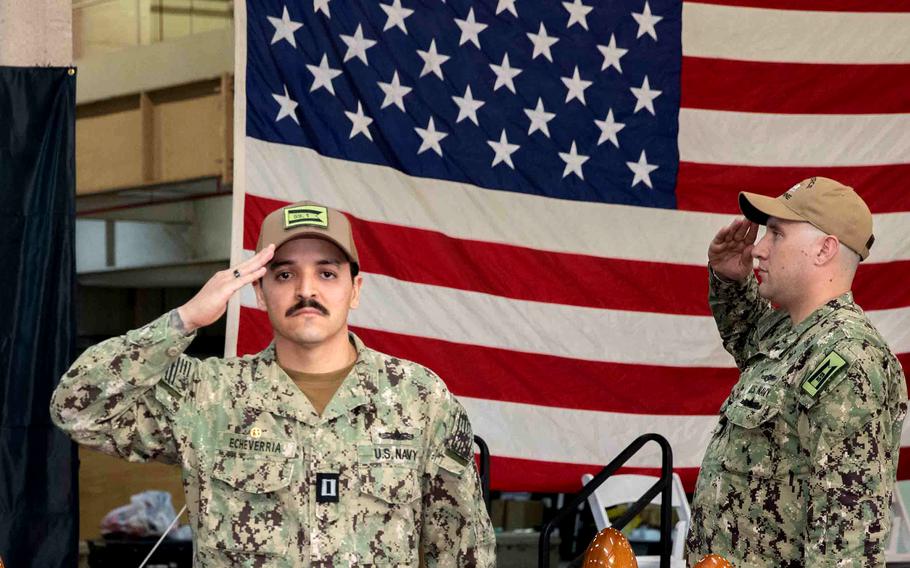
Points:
[38,463]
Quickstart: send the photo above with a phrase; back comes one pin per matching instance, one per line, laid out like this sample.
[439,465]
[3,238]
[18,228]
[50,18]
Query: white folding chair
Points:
[899,542]
[628,488]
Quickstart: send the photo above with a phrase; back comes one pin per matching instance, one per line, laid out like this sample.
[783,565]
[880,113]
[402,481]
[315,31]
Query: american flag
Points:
[533,185]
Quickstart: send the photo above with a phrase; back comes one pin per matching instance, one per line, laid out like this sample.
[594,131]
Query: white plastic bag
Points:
[148,514]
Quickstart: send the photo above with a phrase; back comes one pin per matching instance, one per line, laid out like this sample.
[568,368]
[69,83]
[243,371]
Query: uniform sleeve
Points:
[457,531]
[120,396]
[737,309]
[853,423]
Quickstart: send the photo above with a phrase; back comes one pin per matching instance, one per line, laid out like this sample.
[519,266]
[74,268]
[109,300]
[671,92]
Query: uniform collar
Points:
[274,391]
[845,300]
[359,388]
[777,344]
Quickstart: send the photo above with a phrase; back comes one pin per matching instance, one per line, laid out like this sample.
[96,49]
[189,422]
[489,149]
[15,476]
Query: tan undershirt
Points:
[319,387]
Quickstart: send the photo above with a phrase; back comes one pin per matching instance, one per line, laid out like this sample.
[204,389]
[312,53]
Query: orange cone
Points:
[610,549]
[713,561]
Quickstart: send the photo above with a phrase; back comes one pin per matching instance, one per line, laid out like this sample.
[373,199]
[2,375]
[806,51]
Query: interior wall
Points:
[36,33]
[106,26]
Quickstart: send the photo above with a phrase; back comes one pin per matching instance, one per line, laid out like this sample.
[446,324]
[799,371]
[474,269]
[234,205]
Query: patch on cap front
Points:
[805,184]
[306,216]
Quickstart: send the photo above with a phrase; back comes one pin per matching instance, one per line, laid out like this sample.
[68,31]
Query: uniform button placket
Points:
[313,465]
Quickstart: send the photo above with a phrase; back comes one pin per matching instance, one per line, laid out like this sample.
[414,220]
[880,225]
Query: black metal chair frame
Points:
[484,470]
[663,486]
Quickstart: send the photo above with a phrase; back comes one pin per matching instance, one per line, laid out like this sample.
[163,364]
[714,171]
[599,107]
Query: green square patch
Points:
[825,371]
[306,216]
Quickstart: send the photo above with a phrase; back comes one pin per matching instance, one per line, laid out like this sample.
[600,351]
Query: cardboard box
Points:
[520,549]
[523,515]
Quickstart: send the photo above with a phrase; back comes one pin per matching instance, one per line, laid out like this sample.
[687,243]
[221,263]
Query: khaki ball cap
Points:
[829,205]
[306,219]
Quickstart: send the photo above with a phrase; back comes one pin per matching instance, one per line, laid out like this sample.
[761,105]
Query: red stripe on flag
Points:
[514,272]
[255,331]
[514,376]
[875,286]
[794,88]
[510,376]
[815,5]
[513,474]
[558,278]
[714,188]
[518,474]
[255,210]
[903,463]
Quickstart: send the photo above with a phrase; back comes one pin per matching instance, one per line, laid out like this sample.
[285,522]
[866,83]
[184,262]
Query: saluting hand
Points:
[210,302]
[730,253]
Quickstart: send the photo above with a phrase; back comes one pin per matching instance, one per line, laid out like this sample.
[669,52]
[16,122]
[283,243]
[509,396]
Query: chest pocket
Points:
[249,507]
[389,506]
[752,438]
[390,484]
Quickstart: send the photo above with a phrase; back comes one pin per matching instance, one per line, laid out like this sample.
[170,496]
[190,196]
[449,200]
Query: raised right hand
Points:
[730,253]
[210,302]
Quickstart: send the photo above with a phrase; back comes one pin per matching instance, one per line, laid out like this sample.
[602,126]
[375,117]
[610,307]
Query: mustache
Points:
[306,303]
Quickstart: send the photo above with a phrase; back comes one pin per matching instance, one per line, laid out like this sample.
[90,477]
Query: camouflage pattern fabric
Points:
[802,464]
[251,446]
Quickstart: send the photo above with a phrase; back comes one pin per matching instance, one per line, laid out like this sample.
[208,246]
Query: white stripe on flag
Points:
[759,34]
[568,435]
[756,139]
[382,194]
[591,334]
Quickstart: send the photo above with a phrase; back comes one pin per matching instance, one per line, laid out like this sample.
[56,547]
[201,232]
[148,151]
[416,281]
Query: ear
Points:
[355,292]
[830,246]
[260,296]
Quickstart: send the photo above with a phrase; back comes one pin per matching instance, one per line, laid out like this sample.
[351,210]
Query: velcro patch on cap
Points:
[826,370]
[306,216]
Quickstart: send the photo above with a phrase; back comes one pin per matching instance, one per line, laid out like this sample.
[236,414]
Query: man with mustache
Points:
[801,467]
[318,451]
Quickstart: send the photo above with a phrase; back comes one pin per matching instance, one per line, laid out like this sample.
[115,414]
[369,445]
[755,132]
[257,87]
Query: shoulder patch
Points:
[178,375]
[826,370]
[459,443]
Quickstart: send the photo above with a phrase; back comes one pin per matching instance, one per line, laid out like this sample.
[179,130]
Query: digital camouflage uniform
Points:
[800,469]
[251,447]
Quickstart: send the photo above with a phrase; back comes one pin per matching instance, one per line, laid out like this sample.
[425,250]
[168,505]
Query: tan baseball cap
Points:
[829,205]
[306,219]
